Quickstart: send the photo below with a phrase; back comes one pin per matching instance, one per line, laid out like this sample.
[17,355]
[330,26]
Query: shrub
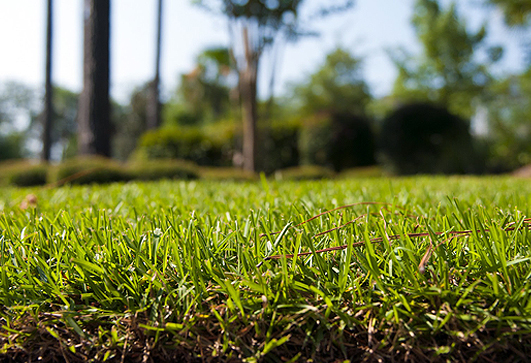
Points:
[31,175]
[214,144]
[190,143]
[351,142]
[88,170]
[278,145]
[313,140]
[305,172]
[12,146]
[339,141]
[162,169]
[23,173]
[422,138]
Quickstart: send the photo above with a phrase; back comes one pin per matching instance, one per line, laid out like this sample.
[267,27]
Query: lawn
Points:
[389,269]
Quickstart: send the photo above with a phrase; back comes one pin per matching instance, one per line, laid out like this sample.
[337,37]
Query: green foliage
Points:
[342,141]
[267,14]
[517,12]
[351,143]
[337,87]
[225,174]
[189,143]
[278,145]
[270,17]
[130,121]
[88,170]
[254,27]
[509,129]
[204,94]
[334,132]
[421,138]
[64,125]
[447,73]
[175,113]
[162,169]
[314,140]
[22,173]
[29,175]
[12,146]
[93,170]
[215,144]
[14,98]
[304,172]
[363,172]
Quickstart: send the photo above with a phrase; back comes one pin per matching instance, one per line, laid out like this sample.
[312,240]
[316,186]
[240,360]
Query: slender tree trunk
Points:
[48,113]
[153,120]
[248,94]
[94,126]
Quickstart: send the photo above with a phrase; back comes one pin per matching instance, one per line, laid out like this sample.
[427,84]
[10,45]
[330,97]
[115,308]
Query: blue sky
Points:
[370,28]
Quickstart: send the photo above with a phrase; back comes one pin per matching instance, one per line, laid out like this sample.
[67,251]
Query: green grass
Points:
[197,271]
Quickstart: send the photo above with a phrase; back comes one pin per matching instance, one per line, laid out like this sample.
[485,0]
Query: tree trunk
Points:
[248,94]
[94,126]
[47,115]
[153,117]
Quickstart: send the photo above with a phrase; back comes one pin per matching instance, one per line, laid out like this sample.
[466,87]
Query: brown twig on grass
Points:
[508,227]
[326,212]
[424,261]
[70,178]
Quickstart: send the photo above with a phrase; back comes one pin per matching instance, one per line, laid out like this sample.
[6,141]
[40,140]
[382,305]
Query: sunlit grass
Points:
[183,270]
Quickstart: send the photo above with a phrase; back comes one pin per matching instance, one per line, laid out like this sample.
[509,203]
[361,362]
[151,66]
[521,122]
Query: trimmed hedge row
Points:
[23,173]
[188,143]
[415,138]
[217,145]
[98,170]
[88,170]
[93,170]
[332,141]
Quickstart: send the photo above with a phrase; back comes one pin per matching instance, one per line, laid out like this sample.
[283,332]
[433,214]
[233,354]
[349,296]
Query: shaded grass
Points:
[168,271]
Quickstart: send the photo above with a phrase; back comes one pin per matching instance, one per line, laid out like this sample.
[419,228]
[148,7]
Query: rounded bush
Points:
[339,141]
[31,176]
[89,170]
[427,139]
[189,143]
[23,173]
[278,147]
[351,142]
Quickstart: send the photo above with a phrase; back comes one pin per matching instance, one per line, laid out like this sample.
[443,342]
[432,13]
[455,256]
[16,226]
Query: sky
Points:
[368,30]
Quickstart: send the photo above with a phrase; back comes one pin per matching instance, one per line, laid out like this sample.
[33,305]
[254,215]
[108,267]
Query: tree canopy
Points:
[517,12]
[337,87]
[448,71]
[509,122]
[254,26]
[204,94]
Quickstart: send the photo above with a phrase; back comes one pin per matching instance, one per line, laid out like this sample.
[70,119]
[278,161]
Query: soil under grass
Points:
[417,269]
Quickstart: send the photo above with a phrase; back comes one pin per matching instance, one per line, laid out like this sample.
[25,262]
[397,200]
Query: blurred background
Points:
[313,87]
